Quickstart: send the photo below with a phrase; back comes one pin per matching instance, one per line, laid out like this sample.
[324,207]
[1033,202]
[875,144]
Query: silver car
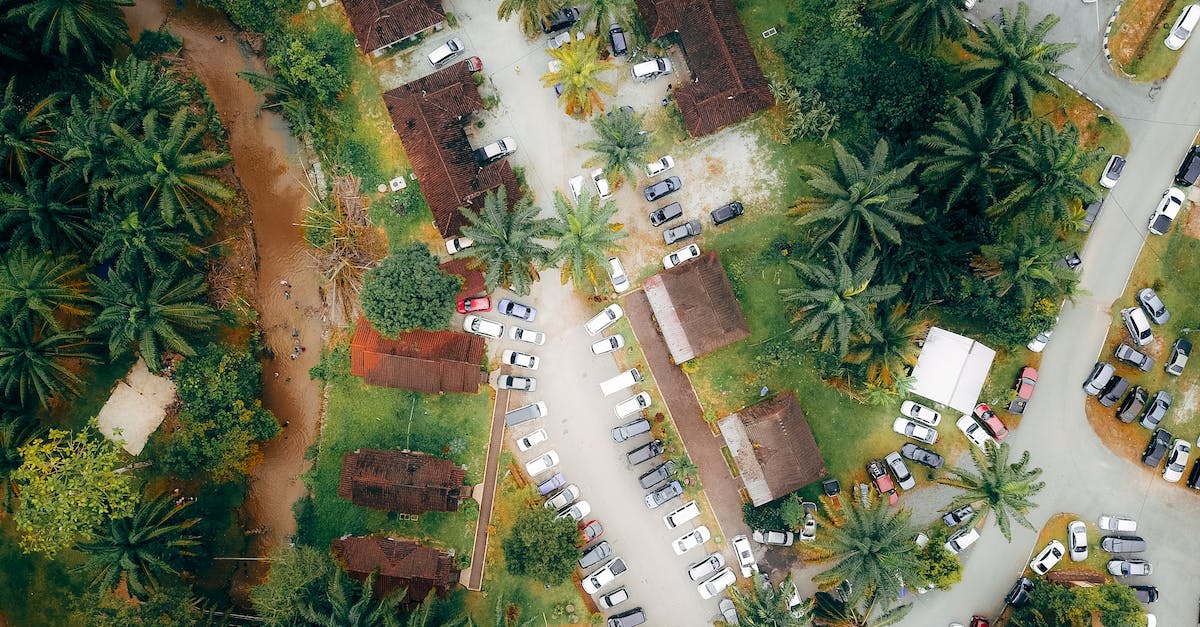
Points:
[709,565]
[1101,374]
[1138,325]
[896,464]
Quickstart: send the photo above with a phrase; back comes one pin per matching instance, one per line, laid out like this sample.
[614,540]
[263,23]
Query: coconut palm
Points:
[70,27]
[14,433]
[837,299]
[47,211]
[601,13]
[921,24]
[134,87]
[166,167]
[585,238]
[857,199]
[25,131]
[151,314]
[1048,176]
[872,546]
[33,362]
[969,148]
[1030,264]
[621,145]
[530,12]
[506,241]
[140,238]
[894,351]
[87,142]
[346,603]
[830,611]
[1013,61]
[996,486]
[41,288]
[764,605]
[138,549]
[930,262]
[579,70]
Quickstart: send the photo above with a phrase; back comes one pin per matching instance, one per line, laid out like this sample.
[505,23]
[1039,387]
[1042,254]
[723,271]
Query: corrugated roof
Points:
[399,481]
[422,361]
[378,23]
[695,307]
[401,563]
[773,448]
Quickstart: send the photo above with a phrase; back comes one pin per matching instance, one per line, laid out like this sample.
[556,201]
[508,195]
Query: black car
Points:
[724,214]
[1193,480]
[1156,410]
[921,456]
[954,517]
[688,229]
[660,474]
[1180,351]
[616,36]
[662,188]
[645,452]
[665,214]
[1090,214]
[1113,391]
[1189,170]
[1157,448]
[1133,404]
[1134,357]
[1018,595]
[563,18]
[1123,544]
[633,617]
[1145,594]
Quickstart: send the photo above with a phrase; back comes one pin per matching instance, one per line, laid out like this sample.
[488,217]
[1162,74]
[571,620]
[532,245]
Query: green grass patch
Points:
[1153,60]
[33,589]
[1056,529]
[733,469]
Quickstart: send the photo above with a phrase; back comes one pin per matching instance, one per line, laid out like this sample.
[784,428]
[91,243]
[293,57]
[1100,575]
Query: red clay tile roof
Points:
[472,279]
[422,361]
[430,114]
[773,448]
[401,563]
[728,84]
[398,481]
[695,307]
[378,23]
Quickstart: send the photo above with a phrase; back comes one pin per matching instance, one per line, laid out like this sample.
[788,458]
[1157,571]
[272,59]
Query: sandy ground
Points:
[136,408]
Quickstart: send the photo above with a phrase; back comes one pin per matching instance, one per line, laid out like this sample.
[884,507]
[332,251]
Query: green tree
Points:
[45,212]
[346,603]
[764,605]
[621,145]
[1053,604]
[70,485]
[837,299]
[932,261]
[873,548]
[1049,166]
[542,546]
[151,314]
[997,486]
[506,241]
[601,13]
[133,237]
[831,611]
[25,131]
[530,12]
[585,237]
[921,24]
[41,289]
[75,27]
[169,606]
[167,167]
[14,434]
[35,362]
[296,574]
[314,62]
[408,291]
[968,149]
[791,512]
[137,549]
[134,87]
[891,353]
[858,198]
[87,142]
[937,565]
[1013,61]
[579,74]
[1029,265]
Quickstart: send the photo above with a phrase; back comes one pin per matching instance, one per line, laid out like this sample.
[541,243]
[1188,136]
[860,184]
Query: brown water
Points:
[266,164]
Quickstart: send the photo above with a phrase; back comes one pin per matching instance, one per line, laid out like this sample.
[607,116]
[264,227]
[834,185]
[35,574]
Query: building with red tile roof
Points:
[378,24]
[401,481]
[422,361]
[398,563]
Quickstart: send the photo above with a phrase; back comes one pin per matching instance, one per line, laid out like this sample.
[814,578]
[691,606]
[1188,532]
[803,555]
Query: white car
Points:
[1183,27]
[563,498]
[604,575]
[616,272]
[920,412]
[974,431]
[684,513]
[1177,460]
[602,320]
[741,546]
[915,430]
[1048,557]
[510,382]
[716,584]
[542,463]
[608,344]
[658,167]
[691,251]
[601,184]
[457,244]
[526,335]
[446,51]
[706,567]
[575,184]
[612,599]
[632,405]
[576,511]
[532,440]
[523,360]
[1039,341]
[962,540]
[652,68]
[1167,210]
[483,326]
[1112,171]
[1077,540]
[1119,524]
[729,612]
[496,150]
[691,540]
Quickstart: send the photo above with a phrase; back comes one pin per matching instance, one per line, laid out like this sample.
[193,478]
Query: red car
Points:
[1026,380]
[883,482]
[474,64]
[477,303]
[991,423]
[979,621]
[590,531]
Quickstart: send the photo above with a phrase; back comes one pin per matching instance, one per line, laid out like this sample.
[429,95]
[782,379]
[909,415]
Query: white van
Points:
[620,382]
[632,405]
[652,68]
[689,511]
[1183,27]
[600,321]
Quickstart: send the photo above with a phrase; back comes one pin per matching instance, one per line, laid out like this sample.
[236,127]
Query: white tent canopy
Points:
[951,369]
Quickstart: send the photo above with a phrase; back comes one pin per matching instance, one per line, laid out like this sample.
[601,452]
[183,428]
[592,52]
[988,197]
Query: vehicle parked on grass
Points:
[1193,480]
[1153,305]
[1134,357]
[577,511]
[1177,460]
[962,540]
[1167,210]
[1132,406]
[717,584]
[1189,170]
[445,52]
[1156,410]
[517,358]
[620,382]
[458,244]
[986,417]
[1156,449]
[612,599]
[917,411]
[1077,540]
[632,405]
[1018,594]
[1048,557]
[974,431]
[553,483]
[593,555]
[726,212]
[1113,391]
[878,473]
[915,430]
[616,38]
[562,498]
[533,439]
[608,344]
[691,540]
[1026,380]
[705,567]
[657,475]
[1119,524]
[688,229]
[904,479]
[516,310]
[542,463]
[1123,544]
[1129,568]
[1177,360]
[630,429]
[681,514]
[664,163]
[691,251]
[528,336]
[653,68]
[1182,29]
[665,214]
[604,575]
[664,494]
[1112,171]
[616,273]
[510,382]
[667,186]
[773,538]
[645,452]
[741,548]
[496,150]
[560,19]
[921,455]
[483,326]
[604,319]
[631,618]
[525,413]
[955,517]
[1101,374]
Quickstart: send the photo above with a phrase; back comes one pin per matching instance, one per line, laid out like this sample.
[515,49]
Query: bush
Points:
[264,16]
[156,42]
[408,291]
[542,546]
[763,517]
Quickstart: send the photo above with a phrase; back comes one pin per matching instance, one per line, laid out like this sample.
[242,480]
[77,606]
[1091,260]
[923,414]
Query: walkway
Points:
[490,474]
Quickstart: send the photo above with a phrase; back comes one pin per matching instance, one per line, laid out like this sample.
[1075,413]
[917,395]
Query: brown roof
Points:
[378,23]
[773,448]
[472,279]
[695,307]
[401,481]
[430,114]
[422,361]
[400,563]
[728,85]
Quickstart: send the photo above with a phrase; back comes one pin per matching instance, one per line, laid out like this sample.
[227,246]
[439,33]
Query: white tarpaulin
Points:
[951,369]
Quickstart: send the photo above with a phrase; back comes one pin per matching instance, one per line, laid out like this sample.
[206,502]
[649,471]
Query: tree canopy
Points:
[542,546]
[408,291]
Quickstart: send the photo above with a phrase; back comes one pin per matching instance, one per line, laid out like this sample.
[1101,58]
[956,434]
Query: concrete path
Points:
[490,474]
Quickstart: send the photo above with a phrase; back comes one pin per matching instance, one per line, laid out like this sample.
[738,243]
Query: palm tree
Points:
[75,26]
[856,197]
[139,548]
[579,73]
[47,212]
[168,163]
[621,145]
[585,238]
[968,148]
[996,486]
[830,611]
[88,143]
[764,605]
[133,87]
[1048,175]
[601,13]
[530,12]
[14,433]
[894,351]
[1012,61]
[1026,262]
[837,299]
[41,288]
[348,604]
[24,132]
[151,314]
[506,241]
[921,24]
[929,263]
[136,238]
[872,545]
[33,362]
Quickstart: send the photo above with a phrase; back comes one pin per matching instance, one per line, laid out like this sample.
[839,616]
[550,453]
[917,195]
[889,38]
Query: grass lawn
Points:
[1056,529]
[1138,35]
[452,426]
[33,589]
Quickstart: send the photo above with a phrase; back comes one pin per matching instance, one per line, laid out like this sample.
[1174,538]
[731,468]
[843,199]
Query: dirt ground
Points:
[1140,19]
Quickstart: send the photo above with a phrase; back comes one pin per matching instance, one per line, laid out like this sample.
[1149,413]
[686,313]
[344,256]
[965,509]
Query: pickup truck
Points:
[1026,380]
